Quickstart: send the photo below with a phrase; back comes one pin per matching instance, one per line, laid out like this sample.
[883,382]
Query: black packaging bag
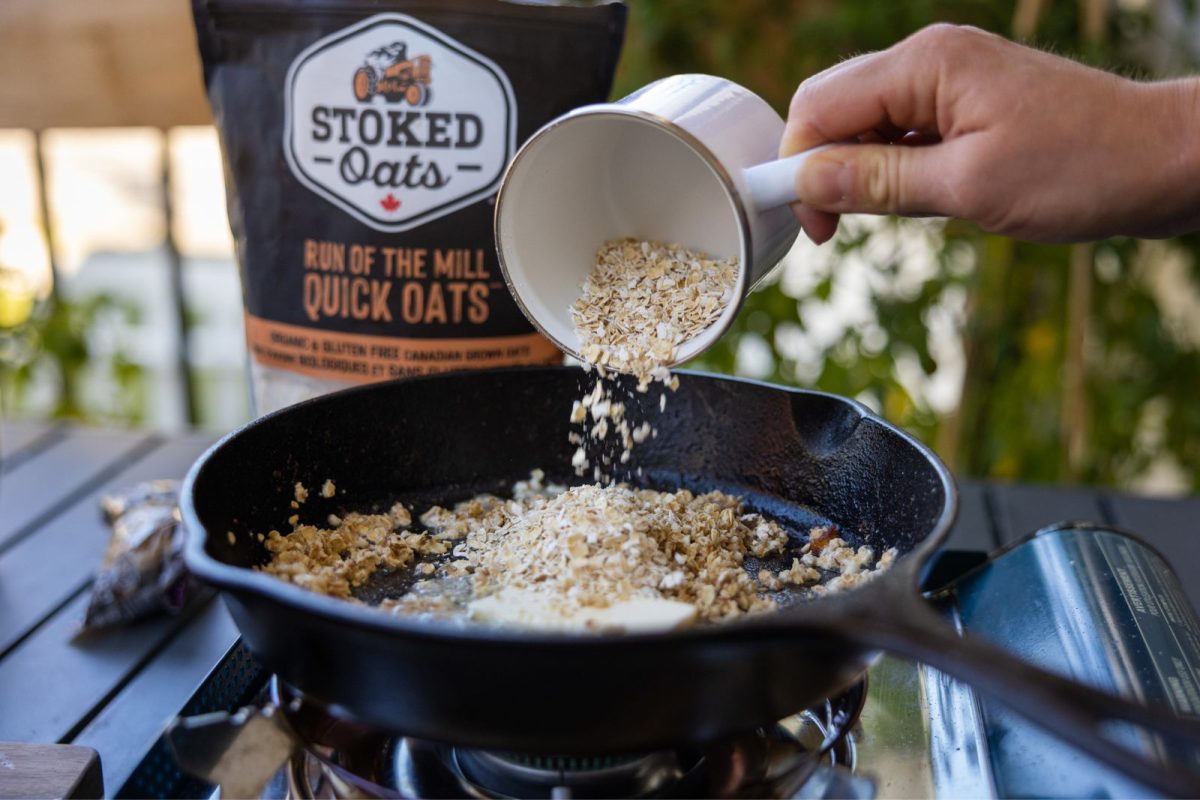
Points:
[363,145]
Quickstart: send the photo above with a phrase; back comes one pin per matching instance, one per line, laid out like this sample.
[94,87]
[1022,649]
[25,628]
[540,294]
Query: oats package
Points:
[363,145]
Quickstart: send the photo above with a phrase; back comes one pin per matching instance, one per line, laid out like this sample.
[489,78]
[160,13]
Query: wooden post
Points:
[39,159]
[1075,406]
[183,350]
[1026,17]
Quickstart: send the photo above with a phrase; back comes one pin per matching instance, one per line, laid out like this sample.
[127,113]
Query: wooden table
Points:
[116,692]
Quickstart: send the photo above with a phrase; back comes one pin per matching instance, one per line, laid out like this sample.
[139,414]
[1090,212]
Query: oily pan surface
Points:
[801,459]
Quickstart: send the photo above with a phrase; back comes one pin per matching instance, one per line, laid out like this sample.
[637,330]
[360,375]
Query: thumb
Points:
[874,179]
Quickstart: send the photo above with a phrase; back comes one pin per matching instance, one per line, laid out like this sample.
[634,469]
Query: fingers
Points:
[819,226]
[895,90]
[890,110]
[875,179]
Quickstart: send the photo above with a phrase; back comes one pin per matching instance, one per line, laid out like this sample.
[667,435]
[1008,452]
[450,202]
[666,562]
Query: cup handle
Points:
[773,184]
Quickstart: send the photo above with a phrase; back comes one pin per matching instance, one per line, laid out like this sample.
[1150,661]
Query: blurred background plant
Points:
[1017,361]
[47,361]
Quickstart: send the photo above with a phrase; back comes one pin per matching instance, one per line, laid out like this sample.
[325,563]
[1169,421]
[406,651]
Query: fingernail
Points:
[824,183]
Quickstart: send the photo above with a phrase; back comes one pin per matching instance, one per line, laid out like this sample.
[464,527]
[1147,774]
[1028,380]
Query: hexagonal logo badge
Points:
[397,123]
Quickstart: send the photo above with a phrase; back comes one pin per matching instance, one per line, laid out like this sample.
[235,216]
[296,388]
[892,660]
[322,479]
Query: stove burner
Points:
[771,762]
[521,775]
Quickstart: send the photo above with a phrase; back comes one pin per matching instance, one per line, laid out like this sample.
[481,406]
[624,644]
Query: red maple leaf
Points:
[390,203]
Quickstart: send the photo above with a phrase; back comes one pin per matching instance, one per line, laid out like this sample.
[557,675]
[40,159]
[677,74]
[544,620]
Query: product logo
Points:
[390,73]
[367,126]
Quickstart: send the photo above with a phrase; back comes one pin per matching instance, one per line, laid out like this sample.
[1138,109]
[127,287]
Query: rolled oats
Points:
[336,560]
[581,558]
[590,547]
[644,299]
[640,302]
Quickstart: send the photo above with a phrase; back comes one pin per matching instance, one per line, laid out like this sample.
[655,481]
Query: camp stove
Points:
[773,761]
[1087,601]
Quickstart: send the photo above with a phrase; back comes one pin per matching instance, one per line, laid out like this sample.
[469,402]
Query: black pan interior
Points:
[481,433]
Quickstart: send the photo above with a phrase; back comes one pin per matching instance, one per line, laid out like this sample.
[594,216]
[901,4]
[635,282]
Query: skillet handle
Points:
[901,622]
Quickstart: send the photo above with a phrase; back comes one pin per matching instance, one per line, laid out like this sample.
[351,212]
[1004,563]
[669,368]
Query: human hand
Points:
[954,121]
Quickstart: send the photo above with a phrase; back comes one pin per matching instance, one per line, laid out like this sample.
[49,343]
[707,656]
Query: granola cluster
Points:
[826,553]
[338,559]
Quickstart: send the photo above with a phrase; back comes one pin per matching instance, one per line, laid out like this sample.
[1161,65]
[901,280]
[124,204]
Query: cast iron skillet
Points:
[803,457]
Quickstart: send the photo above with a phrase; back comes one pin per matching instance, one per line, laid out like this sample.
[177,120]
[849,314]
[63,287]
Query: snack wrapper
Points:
[143,572]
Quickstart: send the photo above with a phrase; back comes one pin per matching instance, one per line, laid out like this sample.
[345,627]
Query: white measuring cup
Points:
[689,159]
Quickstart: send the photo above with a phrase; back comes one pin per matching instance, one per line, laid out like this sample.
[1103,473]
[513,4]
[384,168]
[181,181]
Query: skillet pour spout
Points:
[803,458]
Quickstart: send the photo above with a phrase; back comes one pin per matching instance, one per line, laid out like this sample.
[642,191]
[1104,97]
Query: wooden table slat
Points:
[125,730]
[1021,509]
[17,437]
[49,685]
[47,567]
[57,475]
[48,771]
[973,530]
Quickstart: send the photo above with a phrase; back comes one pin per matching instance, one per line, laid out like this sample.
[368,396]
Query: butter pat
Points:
[528,609]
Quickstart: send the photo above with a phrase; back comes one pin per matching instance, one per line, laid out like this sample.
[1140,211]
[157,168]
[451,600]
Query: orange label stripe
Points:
[363,358]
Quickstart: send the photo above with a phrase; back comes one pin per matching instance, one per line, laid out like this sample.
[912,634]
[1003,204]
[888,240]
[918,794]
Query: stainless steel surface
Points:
[827,783]
[892,735]
[958,749]
[1101,607]
[240,751]
[498,774]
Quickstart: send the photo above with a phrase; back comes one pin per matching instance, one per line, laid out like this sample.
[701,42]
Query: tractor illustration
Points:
[389,71]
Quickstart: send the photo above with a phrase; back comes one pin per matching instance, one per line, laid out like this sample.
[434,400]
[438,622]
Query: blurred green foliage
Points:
[47,359]
[1082,362]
